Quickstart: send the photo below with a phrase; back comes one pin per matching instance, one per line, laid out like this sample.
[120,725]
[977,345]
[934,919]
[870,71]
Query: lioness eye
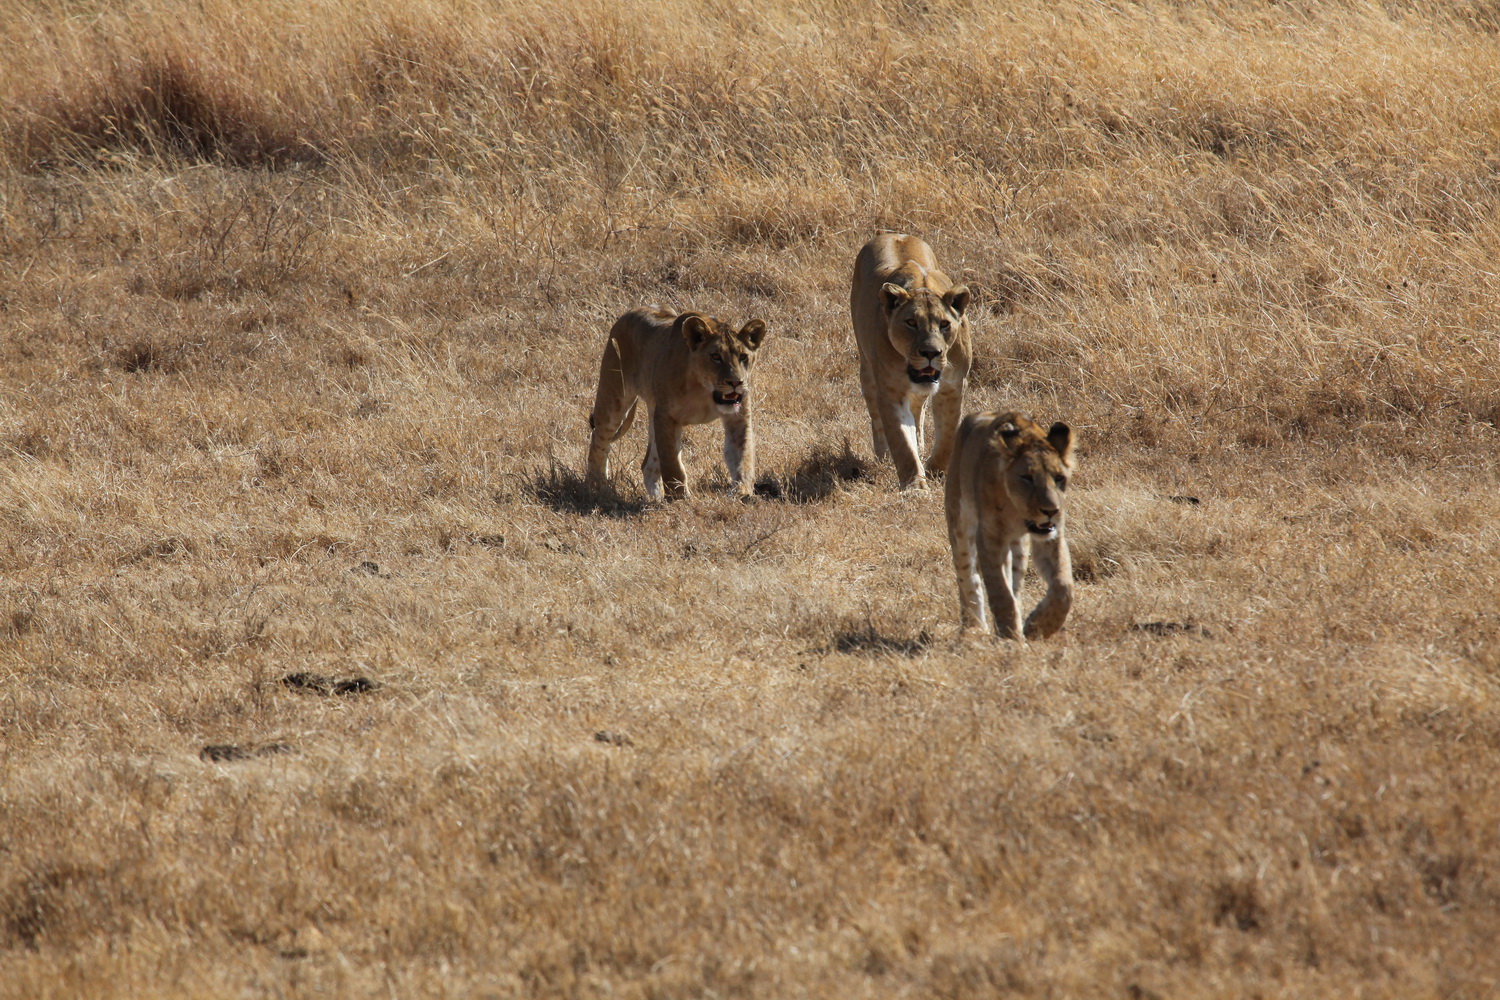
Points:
[912,323]
[944,324]
[717,356]
[744,359]
[1062,483]
[1027,480]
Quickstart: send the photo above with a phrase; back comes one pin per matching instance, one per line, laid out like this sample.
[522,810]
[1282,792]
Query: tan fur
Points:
[899,304]
[1005,473]
[676,363]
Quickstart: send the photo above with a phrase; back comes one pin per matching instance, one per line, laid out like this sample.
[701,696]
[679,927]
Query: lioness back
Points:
[912,333]
[689,369]
[1006,488]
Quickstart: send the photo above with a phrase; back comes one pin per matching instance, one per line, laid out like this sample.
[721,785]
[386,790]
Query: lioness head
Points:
[1037,470]
[720,358]
[922,325]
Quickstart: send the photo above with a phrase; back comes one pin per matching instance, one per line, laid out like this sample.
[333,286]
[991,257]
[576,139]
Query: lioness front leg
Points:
[1055,565]
[947,410]
[901,434]
[872,403]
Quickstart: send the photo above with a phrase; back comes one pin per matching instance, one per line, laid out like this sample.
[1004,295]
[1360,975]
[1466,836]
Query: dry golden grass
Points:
[302,307]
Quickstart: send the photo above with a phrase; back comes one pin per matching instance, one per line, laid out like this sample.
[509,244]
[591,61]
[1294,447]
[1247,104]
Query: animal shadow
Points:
[1163,629]
[818,476]
[567,492]
[867,640]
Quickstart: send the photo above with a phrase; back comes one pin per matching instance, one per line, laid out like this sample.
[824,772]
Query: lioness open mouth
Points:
[728,398]
[1046,529]
[923,375]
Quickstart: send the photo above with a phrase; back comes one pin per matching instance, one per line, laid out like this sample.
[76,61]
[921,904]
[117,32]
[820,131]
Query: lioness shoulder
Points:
[689,369]
[912,330]
[1006,487]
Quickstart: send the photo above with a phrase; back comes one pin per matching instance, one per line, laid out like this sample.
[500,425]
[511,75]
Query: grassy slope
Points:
[280,302]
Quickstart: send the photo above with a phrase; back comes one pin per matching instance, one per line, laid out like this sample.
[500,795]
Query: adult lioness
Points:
[914,343]
[690,369]
[1005,486]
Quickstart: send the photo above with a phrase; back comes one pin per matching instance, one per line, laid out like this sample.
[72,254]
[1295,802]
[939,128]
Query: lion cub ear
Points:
[752,333]
[893,297]
[694,330]
[957,298]
[1060,436]
[1010,435]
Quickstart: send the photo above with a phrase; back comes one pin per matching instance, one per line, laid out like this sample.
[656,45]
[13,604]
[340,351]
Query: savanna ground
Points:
[302,308]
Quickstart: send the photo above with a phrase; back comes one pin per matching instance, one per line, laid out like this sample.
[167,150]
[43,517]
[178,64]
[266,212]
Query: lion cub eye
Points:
[716,356]
[744,359]
[1062,483]
[944,324]
[911,323]
[1028,480]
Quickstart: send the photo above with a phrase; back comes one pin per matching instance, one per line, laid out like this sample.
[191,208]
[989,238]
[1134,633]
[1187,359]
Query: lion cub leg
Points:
[963,539]
[612,415]
[1019,555]
[995,565]
[1055,565]
[607,426]
[663,464]
[739,451]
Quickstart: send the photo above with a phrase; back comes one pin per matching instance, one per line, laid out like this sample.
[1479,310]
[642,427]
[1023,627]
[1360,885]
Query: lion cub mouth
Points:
[1046,529]
[923,375]
[730,399]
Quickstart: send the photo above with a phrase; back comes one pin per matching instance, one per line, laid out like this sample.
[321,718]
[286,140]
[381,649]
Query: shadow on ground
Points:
[818,476]
[867,640]
[566,492]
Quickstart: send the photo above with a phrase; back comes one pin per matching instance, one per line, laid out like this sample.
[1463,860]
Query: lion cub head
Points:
[720,358]
[1036,473]
[922,324]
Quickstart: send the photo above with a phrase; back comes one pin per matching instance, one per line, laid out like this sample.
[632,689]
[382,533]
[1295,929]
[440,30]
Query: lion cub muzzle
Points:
[1043,529]
[729,400]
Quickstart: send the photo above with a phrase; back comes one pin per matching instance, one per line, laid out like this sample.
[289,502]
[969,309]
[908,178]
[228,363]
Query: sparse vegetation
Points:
[302,310]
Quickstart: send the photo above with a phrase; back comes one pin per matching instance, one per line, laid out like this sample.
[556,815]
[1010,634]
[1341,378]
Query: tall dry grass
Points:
[301,311]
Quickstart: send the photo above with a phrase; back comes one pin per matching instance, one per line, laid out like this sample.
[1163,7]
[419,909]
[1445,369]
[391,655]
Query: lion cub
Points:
[690,369]
[913,340]
[1005,486]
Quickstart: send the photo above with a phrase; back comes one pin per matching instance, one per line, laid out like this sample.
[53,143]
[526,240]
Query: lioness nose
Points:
[929,355]
[1049,514]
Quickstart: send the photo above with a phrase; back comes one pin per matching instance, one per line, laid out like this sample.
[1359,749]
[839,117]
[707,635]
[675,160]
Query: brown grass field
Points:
[301,307]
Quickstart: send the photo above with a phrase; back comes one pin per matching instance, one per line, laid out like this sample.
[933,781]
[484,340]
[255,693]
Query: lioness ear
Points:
[957,298]
[752,333]
[694,329]
[893,296]
[1060,436]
